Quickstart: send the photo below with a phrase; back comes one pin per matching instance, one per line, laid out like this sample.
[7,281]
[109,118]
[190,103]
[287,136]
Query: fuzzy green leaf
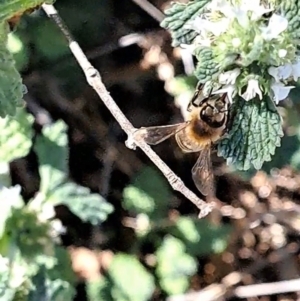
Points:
[10,199]
[11,88]
[48,289]
[52,152]
[207,69]
[28,233]
[51,148]
[254,135]
[13,8]
[200,237]
[174,266]
[124,271]
[16,136]
[6,293]
[89,207]
[99,289]
[177,16]
[291,9]
[149,193]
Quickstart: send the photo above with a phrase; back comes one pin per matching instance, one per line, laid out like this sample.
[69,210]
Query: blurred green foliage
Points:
[33,264]
[11,89]
[174,266]
[29,233]
[13,8]
[16,135]
[150,197]
[126,280]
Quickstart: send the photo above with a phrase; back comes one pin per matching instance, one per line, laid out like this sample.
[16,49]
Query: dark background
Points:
[258,211]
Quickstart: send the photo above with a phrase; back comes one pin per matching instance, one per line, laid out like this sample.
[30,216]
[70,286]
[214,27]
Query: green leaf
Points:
[174,266]
[200,237]
[177,17]
[137,200]
[207,69]
[16,136]
[99,289]
[10,198]
[149,193]
[6,293]
[39,291]
[290,9]
[89,207]
[63,267]
[11,88]
[51,148]
[50,290]
[254,135]
[48,40]
[12,8]
[28,233]
[18,47]
[131,281]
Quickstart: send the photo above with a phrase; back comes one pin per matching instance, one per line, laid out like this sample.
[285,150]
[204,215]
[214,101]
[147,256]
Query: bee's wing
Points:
[203,174]
[156,134]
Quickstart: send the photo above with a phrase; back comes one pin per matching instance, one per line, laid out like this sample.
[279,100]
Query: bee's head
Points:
[214,111]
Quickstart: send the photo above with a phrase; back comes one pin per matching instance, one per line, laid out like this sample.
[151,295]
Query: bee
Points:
[206,122]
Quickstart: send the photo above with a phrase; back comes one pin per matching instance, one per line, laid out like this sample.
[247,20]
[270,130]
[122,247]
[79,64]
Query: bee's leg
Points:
[224,111]
[195,96]
[192,101]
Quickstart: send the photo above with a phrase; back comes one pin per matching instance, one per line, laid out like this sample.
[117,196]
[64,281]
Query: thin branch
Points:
[266,289]
[216,292]
[155,13]
[94,79]
[148,7]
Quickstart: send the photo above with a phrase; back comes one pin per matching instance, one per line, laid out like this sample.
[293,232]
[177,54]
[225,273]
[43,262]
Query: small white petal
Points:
[280,91]
[281,72]
[217,28]
[273,71]
[282,53]
[242,17]
[229,89]
[296,71]
[191,48]
[277,24]
[229,77]
[285,71]
[46,212]
[252,90]
[236,42]
[57,228]
[203,26]
[257,9]
[222,6]
[199,24]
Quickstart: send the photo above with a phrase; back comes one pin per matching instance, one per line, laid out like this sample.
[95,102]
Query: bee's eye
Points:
[219,105]
[219,117]
[209,111]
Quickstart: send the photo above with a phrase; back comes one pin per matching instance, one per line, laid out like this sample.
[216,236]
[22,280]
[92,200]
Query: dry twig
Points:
[155,13]
[94,79]
[148,7]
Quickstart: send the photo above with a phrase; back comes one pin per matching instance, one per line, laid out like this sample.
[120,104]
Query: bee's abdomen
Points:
[197,136]
[189,142]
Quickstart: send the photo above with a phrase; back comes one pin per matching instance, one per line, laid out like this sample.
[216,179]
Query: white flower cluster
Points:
[267,58]
[282,74]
